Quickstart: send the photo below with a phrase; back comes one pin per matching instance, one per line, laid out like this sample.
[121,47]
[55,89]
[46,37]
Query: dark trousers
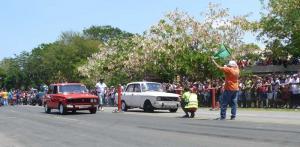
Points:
[294,100]
[186,111]
[182,103]
[229,97]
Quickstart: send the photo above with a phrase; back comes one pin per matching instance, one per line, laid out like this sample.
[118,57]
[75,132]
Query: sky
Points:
[25,24]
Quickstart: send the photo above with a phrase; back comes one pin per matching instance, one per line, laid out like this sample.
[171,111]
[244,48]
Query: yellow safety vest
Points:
[192,100]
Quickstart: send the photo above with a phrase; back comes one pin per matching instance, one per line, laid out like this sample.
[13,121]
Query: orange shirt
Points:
[231,78]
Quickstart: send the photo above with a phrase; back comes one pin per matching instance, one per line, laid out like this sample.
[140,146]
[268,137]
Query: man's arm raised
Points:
[213,60]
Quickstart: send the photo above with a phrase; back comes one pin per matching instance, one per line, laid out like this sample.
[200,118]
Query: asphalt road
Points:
[28,126]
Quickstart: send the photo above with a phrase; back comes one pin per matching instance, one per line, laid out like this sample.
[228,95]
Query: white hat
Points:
[232,63]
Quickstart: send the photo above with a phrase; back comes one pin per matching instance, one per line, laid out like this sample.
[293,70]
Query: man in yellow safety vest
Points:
[190,102]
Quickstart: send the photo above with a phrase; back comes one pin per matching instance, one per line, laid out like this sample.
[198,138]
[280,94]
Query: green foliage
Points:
[105,33]
[177,45]
[246,73]
[280,27]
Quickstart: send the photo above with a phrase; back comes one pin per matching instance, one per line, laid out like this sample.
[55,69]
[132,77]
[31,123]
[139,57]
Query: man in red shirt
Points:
[231,88]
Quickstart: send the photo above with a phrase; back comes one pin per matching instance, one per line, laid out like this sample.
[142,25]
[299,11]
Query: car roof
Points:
[62,84]
[142,82]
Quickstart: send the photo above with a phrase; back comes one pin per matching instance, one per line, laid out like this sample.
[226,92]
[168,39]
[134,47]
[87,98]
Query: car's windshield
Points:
[73,89]
[153,87]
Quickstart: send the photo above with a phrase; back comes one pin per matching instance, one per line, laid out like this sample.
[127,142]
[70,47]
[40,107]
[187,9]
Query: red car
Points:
[69,97]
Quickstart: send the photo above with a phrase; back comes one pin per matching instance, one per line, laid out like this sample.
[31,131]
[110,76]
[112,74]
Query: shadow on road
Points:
[68,113]
[195,118]
[142,111]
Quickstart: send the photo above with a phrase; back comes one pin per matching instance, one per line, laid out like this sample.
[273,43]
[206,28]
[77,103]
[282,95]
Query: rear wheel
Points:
[62,109]
[124,106]
[148,107]
[47,109]
[93,110]
[173,110]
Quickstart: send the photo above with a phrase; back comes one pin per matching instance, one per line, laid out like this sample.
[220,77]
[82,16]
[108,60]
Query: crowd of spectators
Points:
[284,62]
[269,91]
[110,94]
[18,97]
[269,61]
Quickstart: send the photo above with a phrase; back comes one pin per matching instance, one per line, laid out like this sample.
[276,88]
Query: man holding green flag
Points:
[232,73]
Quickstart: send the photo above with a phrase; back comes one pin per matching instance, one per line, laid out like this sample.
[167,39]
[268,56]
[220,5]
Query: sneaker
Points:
[232,118]
[192,115]
[185,116]
[220,118]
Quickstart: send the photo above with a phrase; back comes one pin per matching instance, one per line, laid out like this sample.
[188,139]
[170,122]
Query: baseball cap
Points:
[232,64]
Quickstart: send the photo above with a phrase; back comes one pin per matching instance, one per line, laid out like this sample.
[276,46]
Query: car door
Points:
[53,100]
[47,97]
[128,95]
[137,96]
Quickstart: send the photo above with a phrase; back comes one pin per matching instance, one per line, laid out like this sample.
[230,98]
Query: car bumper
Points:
[166,105]
[81,107]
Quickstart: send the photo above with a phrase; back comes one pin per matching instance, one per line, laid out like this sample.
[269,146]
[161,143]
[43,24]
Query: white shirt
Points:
[100,87]
[294,85]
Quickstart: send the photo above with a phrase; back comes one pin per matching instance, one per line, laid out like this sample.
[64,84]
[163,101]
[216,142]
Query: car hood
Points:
[165,94]
[79,95]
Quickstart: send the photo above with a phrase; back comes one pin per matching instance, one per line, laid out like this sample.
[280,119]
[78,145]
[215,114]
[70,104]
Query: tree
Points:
[250,51]
[105,33]
[178,45]
[58,61]
[280,27]
[12,73]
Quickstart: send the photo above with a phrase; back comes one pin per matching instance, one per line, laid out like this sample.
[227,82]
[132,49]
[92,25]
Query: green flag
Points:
[222,53]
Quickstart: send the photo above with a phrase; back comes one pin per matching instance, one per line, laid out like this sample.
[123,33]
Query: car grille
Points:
[84,100]
[169,98]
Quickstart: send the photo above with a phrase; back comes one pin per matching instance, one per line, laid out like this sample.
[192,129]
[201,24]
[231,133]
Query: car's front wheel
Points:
[93,110]
[62,110]
[124,106]
[148,106]
[47,109]
[173,110]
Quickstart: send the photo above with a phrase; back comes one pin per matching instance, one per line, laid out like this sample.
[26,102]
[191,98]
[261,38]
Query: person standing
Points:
[231,88]
[294,86]
[248,87]
[5,97]
[112,94]
[100,88]
[10,97]
[1,98]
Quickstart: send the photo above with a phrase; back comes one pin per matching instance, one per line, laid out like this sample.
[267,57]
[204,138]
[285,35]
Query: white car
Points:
[149,96]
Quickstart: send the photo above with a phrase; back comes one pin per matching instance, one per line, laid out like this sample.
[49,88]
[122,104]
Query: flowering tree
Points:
[177,45]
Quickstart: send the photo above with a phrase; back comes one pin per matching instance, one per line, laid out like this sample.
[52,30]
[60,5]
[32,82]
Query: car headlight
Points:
[93,100]
[158,98]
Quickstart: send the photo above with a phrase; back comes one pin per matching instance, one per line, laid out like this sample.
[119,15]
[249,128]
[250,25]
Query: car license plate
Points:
[84,106]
